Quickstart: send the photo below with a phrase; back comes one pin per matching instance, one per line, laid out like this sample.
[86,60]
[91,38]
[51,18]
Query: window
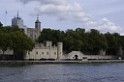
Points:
[54,53]
[47,53]
[29,53]
[36,52]
[42,52]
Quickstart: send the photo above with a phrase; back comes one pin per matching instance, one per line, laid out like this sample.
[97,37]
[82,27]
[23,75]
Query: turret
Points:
[38,24]
[37,28]
[59,50]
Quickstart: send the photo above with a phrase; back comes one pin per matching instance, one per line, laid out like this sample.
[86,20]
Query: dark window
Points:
[42,52]
[36,52]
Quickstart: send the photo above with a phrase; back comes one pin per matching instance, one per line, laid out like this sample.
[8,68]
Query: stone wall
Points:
[42,53]
[98,57]
[77,55]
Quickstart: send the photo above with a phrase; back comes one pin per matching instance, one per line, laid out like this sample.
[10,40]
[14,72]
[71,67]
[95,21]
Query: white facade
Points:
[77,55]
[74,55]
[46,51]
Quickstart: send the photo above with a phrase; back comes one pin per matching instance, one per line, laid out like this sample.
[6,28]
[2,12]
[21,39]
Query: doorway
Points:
[76,57]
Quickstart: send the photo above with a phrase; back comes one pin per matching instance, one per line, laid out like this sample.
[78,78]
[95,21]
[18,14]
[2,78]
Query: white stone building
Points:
[46,51]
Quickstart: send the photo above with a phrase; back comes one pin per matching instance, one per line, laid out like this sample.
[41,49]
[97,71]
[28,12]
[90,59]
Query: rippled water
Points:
[64,73]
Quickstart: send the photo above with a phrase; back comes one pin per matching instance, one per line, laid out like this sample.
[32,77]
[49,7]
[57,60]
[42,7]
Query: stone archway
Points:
[76,57]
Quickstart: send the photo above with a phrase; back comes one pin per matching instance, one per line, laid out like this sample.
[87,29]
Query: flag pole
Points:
[5,17]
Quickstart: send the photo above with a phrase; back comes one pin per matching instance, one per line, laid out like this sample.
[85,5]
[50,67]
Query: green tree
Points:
[113,43]
[97,41]
[11,37]
[20,43]
[4,42]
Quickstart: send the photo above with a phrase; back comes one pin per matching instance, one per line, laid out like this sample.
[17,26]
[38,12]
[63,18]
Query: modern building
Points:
[19,22]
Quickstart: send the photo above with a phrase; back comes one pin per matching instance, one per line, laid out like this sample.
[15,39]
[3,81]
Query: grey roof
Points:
[37,21]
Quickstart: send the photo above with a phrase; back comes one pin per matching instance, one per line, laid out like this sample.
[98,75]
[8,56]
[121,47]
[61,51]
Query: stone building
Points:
[34,33]
[46,51]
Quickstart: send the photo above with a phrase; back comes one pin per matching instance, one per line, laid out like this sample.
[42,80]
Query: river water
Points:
[64,73]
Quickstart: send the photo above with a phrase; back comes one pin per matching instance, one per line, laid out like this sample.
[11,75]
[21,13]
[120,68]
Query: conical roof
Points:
[37,21]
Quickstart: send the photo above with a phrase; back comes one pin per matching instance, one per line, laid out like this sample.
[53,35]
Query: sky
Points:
[105,16]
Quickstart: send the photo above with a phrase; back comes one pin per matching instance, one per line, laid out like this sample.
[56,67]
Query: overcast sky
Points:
[67,14]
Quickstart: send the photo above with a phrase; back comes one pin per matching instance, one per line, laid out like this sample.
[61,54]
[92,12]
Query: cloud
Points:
[56,2]
[60,9]
[104,25]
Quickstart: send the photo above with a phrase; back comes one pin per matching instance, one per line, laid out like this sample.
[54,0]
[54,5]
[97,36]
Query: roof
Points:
[37,21]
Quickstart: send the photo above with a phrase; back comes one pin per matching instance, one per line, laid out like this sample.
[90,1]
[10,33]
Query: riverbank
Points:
[14,63]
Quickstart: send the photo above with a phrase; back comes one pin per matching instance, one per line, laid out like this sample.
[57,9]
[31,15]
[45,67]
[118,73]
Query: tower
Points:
[37,28]
[59,50]
[17,21]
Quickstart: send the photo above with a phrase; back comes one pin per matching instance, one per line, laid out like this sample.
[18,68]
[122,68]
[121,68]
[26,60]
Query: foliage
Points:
[11,37]
[90,42]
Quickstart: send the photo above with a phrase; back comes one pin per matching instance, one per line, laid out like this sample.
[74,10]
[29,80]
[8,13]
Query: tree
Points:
[11,37]
[113,41]
[4,42]
[96,41]
[20,43]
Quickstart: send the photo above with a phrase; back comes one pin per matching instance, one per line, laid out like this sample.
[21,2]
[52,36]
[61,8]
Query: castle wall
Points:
[78,55]
[42,53]
[72,55]
[99,57]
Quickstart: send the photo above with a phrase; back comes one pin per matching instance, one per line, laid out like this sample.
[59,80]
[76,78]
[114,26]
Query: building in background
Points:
[19,22]
[47,50]
[33,33]
[41,50]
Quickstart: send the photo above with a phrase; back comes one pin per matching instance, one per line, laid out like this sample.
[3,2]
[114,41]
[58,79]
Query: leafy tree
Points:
[113,43]
[4,42]
[11,37]
[88,42]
